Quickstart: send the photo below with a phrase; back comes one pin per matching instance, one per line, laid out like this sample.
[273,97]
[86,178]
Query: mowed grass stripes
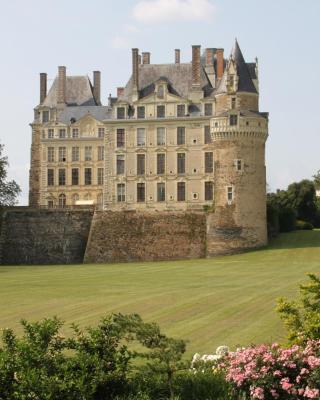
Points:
[227,300]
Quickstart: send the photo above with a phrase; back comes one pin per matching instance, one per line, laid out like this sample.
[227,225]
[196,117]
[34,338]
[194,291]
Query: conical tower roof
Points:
[245,83]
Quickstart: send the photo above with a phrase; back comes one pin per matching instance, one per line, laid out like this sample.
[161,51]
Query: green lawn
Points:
[227,300]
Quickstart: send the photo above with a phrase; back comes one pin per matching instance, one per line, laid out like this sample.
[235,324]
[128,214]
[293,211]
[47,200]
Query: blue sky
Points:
[37,36]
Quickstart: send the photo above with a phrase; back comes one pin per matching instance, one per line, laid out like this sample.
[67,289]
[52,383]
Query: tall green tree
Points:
[9,190]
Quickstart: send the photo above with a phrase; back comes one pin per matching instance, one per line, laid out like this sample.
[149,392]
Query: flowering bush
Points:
[270,372]
[208,362]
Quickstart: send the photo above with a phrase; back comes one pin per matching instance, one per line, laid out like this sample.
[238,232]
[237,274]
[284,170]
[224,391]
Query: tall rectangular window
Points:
[62,133]
[233,102]
[45,116]
[50,133]
[88,153]
[100,132]
[50,177]
[100,153]
[141,164]
[141,113]
[181,110]
[100,176]
[161,192]
[181,191]
[75,154]
[208,109]
[233,119]
[121,113]
[121,192]
[141,192]
[238,165]
[208,191]
[141,137]
[75,176]
[229,194]
[75,133]
[181,163]
[161,111]
[120,137]
[208,162]
[50,154]
[207,135]
[161,163]
[120,164]
[181,135]
[87,176]
[62,154]
[62,176]
[161,136]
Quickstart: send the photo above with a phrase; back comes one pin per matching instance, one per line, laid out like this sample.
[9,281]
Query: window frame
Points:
[181,191]
[141,192]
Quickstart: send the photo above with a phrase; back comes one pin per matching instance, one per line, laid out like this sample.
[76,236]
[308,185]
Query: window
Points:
[230,194]
[121,192]
[50,133]
[141,164]
[181,189]
[101,132]
[120,137]
[233,102]
[75,133]
[233,120]
[238,165]
[62,200]
[181,135]
[121,113]
[208,163]
[141,192]
[161,111]
[62,154]
[45,116]
[181,161]
[50,177]
[208,109]
[208,191]
[161,136]
[141,112]
[62,177]
[141,137]
[161,163]
[181,110]
[100,176]
[62,133]
[75,154]
[50,154]
[231,80]
[75,176]
[50,204]
[87,176]
[88,153]
[161,192]
[120,164]
[100,153]
[207,135]
[161,92]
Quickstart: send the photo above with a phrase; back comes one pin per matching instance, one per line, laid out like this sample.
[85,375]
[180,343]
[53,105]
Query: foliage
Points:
[303,225]
[287,219]
[272,220]
[9,190]
[302,318]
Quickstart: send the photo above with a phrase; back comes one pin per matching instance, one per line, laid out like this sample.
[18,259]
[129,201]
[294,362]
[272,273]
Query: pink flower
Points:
[257,393]
[304,371]
[285,384]
[274,393]
[311,393]
[277,373]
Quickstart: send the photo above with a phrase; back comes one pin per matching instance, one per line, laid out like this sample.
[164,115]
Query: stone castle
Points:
[178,138]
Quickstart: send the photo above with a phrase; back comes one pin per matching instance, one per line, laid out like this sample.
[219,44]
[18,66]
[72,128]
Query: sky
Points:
[37,36]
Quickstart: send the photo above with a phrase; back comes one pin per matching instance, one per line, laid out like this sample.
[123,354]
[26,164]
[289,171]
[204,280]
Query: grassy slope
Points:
[226,300]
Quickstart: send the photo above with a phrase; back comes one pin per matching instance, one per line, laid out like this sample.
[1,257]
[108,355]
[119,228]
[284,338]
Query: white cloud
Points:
[151,11]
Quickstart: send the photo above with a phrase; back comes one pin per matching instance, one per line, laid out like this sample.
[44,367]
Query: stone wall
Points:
[30,236]
[130,236]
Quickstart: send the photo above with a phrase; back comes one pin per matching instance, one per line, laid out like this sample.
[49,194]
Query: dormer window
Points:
[161,91]
[121,113]
[233,120]
[161,111]
[208,109]
[181,110]
[233,103]
[45,116]
[62,133]
[231,81]
[141,112]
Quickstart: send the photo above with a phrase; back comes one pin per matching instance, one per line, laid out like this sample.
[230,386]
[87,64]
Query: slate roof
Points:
[98,112]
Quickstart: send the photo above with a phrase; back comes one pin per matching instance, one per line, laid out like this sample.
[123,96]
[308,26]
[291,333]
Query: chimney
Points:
[62,83]
[120,91]
[146,58]
[209,57]
[196,66]
[139,59]
[177,56]
[135,68]
[97,86]
[43,86]
[220,63]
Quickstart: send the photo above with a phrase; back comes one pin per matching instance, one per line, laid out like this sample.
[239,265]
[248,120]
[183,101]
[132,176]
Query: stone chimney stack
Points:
[62,83]
[196,66]
[146,58]
[120,91]
[97,86]
[139,59]
[220,63]
[209,66]
[135,68]
[177,56]
[43,86]
[209,57]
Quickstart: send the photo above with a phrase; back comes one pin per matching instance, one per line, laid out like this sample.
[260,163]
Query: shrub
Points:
[287,219]
[272,220]
[303,225]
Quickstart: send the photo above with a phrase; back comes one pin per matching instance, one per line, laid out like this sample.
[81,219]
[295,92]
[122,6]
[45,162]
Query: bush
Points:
[287,219]
[272,220]
[303,225]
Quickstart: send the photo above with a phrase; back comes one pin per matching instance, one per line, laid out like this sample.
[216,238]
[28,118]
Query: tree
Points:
[9,191]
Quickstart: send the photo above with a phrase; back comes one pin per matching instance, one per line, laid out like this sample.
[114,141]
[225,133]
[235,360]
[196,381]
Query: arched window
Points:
[62,200]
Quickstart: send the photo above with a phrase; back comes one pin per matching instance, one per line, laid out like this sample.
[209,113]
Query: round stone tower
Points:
[239,132]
